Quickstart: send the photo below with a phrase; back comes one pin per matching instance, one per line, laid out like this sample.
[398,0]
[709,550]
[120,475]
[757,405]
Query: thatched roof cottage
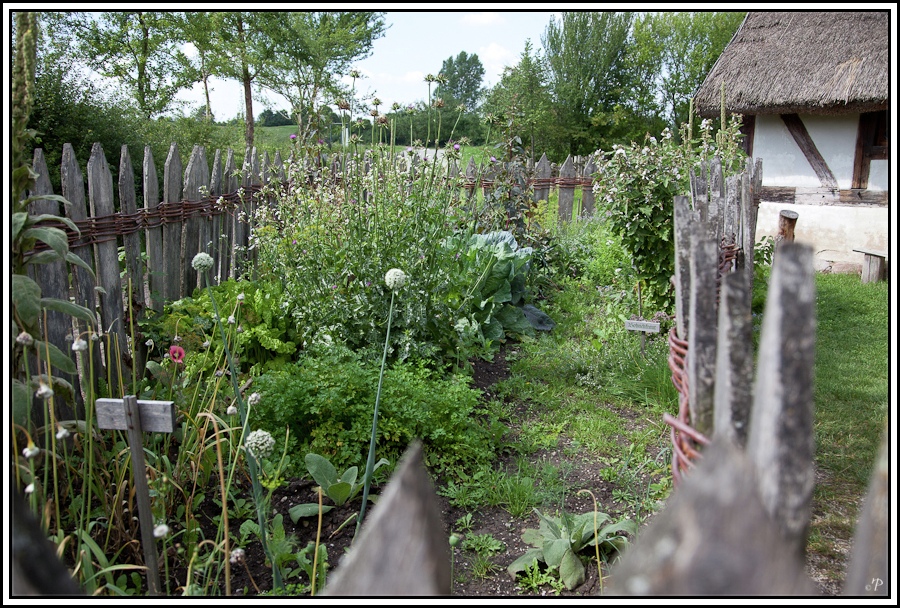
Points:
[813,88]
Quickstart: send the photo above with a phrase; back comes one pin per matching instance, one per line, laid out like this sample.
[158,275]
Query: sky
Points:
[415,44]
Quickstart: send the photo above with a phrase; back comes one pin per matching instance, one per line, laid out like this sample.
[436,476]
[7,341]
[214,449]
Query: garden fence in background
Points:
[202,207]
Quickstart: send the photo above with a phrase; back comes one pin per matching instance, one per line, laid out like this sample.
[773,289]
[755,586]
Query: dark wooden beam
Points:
[798,131]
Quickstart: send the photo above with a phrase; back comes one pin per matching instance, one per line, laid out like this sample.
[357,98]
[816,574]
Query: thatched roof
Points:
[803,63]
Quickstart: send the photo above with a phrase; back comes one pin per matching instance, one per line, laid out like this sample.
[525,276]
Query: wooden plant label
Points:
[644,326]
[137,417]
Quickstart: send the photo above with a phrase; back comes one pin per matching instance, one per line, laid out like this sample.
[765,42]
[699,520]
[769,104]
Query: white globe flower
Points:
[202,262]
[395,279]
[260,443]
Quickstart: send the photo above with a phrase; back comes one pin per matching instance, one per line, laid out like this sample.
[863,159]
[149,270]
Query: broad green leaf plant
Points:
[559,540]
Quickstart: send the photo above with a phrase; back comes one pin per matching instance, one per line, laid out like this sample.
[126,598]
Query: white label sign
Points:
[647,326]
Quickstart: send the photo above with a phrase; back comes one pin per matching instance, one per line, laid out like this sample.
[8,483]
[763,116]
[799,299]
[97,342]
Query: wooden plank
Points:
[701,357]
[714,538]
[732,216]
[542,171]
[218,219]
[156,416]
[587,191]
[870,552]
[716,201]
[781,442]
[194,182]
[230,223]
[172,227]
[875,252]
[734,360]
[134,272]
[53,279]
[153,235]
[100,196]
[402,548]
[801,136]
[685,217]
[566,193]
[83,282]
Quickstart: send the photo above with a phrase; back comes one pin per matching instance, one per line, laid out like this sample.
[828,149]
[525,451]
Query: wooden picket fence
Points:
[202,207]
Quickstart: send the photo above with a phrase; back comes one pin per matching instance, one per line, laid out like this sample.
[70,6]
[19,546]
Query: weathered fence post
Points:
[196,178]
[734,360]
[701,356]
[134,273]
[100,195]
[587,188]
[82,282]
[173,214]
[53,279]
[230,229]
[542,175]
[781,441]
[153,234]
[218,217]
[566,191]
[407,520]
[868,573]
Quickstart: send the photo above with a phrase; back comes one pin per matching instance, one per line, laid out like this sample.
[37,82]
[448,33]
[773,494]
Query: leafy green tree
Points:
[673,52]
[246,44]
[314,50]
[463,75]
[586,53]
[138,49]
[523,91]
[196,27]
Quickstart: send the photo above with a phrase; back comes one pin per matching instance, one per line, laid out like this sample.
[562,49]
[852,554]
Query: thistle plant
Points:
[395,279]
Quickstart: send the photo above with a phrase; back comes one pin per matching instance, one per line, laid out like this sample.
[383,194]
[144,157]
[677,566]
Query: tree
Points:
[139,49]
[314,50]
[196,28]
[463,76]
[586,53]
[245,42]
[673,52]
[523,91]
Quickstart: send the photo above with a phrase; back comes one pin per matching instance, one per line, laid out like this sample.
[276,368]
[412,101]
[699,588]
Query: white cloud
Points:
[482,19]
[494,57]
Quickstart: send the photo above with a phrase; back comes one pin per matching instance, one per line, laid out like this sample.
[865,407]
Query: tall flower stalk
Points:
[203,263]
[394,279]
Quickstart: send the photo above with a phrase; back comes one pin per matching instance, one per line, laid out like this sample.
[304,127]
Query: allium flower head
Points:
[61,432]
[231,411]
[24,339]
[237,556]
[160,531]
[44,391]
[260,443]
[254,399]
[31,450]
[79,345]
[202,262]
[395,279]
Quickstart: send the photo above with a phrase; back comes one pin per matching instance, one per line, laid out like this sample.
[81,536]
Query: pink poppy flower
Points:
[176,353]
